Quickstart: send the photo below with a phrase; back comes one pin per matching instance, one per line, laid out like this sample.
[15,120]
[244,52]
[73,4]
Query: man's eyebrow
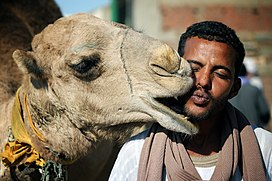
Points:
[214,68]
[195,62]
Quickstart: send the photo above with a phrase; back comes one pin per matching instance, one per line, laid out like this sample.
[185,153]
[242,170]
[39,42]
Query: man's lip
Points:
[200,97]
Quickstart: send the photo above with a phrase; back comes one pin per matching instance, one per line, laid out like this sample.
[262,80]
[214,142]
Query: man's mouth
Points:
[200,98]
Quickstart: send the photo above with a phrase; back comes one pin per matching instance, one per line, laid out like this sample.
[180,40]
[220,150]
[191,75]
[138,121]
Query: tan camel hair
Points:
[87,81]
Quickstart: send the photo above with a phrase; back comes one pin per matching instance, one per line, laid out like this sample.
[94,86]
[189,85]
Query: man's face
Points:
[213,64]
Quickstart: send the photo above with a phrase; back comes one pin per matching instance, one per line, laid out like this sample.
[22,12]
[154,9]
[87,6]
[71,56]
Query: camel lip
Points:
[167,111]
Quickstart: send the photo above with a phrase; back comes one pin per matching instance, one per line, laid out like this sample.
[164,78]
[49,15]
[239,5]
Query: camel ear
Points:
[27,63]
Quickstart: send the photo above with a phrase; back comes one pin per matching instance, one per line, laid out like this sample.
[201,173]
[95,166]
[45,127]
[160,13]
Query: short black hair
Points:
[215,31]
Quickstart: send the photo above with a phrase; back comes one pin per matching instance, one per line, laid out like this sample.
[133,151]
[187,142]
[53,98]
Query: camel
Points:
[86,81]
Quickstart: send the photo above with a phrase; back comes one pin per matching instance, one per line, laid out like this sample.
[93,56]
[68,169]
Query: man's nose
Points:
[204,79]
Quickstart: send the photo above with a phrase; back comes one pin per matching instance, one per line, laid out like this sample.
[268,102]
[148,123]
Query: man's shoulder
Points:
[262,134]
[264,138]
[126,164]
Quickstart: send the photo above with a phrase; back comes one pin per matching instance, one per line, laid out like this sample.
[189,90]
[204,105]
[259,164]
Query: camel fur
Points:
[87,81]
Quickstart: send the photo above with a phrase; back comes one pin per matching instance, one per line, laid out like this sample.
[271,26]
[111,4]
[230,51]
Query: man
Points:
[226,147]
[251,101]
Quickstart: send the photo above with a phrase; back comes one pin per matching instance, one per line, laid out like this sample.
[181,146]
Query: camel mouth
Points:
[167,111]
[171,103]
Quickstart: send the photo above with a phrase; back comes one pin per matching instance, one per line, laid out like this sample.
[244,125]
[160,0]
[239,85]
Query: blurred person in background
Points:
[251,101]
[252,72]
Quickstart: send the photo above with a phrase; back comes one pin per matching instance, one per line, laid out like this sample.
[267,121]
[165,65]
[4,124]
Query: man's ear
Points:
[235,88]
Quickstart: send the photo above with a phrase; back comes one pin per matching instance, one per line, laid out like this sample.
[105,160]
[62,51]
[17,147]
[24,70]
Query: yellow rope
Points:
[22,149]
[36,131]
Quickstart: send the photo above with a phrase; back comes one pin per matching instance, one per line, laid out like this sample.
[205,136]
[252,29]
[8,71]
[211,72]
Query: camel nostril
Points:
[184,68]
[158,69]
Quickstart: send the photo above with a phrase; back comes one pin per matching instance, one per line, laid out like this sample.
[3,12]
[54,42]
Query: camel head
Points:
[86,78]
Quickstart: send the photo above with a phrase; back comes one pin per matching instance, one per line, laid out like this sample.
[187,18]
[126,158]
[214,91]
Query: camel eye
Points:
[86,64]
[89,67]
[83,66]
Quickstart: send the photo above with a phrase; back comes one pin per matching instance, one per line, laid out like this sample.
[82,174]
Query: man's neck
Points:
[207,141]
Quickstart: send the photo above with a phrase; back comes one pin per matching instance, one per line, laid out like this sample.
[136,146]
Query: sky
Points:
[69,7]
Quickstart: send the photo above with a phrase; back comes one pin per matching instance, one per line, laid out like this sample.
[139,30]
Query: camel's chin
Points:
[167,113]
[117,132]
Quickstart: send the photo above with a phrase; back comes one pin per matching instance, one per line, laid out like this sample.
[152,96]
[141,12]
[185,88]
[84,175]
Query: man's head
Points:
[215,31]
[215,54]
